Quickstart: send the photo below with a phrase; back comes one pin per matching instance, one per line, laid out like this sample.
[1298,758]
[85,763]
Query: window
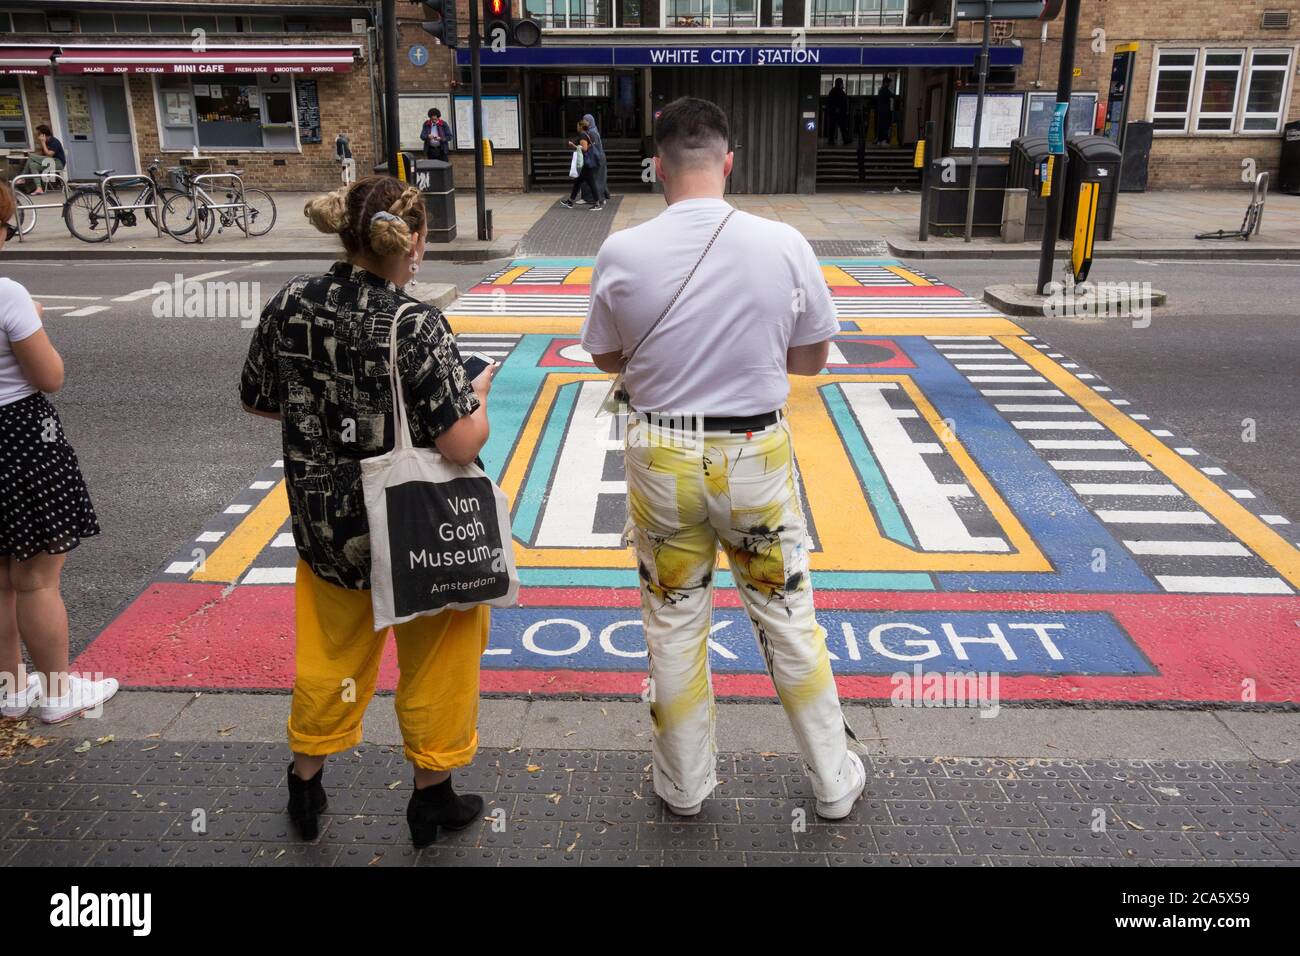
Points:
[13,121]
[586,85]
[1265,91]
[859,13]
[165,23]
[30,22]
[1173,89]
[95,22]
[1220,83]
[235,113]
[1220,91]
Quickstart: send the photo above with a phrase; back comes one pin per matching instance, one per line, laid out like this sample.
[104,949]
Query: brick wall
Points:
[1176,160]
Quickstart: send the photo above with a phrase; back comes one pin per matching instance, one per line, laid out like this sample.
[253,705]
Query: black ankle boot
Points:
[439,806]
[307,801]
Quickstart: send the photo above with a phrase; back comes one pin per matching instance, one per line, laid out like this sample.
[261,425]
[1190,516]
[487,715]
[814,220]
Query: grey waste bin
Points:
[1094,158]
[433,177]
[1027,155]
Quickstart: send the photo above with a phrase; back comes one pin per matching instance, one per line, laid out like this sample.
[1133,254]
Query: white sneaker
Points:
[842,807]
[580,202]
[82,695]
[690,811]
[19,703]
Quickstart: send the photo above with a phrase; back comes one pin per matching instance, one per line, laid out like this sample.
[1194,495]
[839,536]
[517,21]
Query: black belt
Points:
[743,423]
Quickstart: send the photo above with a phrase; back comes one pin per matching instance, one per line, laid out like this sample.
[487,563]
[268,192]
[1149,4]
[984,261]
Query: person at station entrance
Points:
[436,136]
[585,164]
[837,113]
[47,157]
[707,343]
[884,112]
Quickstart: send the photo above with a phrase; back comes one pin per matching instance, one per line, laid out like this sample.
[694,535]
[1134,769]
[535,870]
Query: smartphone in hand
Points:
[475,363]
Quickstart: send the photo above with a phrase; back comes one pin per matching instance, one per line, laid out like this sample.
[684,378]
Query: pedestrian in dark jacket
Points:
[598,190]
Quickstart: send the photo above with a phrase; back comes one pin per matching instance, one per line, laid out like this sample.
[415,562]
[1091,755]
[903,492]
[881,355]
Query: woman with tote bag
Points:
[319,363]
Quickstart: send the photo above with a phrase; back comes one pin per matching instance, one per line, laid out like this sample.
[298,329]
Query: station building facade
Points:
[279,81]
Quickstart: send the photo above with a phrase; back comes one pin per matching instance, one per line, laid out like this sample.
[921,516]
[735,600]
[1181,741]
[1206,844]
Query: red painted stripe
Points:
[1203,647]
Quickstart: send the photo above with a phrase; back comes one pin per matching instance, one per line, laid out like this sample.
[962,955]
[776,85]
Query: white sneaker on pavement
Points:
[842,807]
[690,811]
[20,702]
[82,695]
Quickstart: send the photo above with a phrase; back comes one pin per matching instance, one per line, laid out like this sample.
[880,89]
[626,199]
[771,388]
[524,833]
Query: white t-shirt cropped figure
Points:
[722,349]
[709,456]
[18,321]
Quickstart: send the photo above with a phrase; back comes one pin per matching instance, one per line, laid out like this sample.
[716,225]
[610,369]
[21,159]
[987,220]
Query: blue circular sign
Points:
[418,54]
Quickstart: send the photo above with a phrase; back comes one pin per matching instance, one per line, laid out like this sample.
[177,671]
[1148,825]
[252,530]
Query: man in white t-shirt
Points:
[709,454]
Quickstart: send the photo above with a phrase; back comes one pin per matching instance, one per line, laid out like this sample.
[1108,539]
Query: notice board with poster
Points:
[999,125]
[500,122]
[413,110]
[308,97]
[1082,114]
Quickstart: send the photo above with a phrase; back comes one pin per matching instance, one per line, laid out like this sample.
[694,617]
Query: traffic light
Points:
[500,28]
[439,21]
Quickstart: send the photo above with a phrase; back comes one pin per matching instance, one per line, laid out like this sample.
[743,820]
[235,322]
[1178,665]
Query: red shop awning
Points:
[25,60]
[214,61]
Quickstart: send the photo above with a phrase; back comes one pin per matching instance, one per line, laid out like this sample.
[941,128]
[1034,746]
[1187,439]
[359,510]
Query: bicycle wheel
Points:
[260,208]
[25,219]
[85,216]
[178,216]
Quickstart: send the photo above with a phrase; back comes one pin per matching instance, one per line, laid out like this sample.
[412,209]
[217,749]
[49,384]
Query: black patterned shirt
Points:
[319,357]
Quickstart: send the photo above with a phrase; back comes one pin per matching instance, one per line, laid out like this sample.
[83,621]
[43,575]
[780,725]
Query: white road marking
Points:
[1059,426]
[1062,444]
[1154,517]
[926,501]
[1100,465]
[1129,488]
[1218,549]
[1214,471]
[1063,409]
[88,310]
[1241,493]
[180,567]
[208,536]
[238,509]
[283,540]
[270,576]
[1222,585]
[1273,519]
[1006,378]
[566,521]
[1036,392]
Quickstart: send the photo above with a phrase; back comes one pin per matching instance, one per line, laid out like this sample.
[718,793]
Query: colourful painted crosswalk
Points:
[976,501]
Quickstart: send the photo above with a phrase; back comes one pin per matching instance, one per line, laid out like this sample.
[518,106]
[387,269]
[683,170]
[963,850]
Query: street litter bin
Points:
[1095,158]
[433,177]
[408,160]
[1288,172]
[948,199]
[1027,155]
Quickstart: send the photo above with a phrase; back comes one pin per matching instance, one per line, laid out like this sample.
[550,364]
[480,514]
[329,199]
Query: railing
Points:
[109,209]
[238,188]
[44,179]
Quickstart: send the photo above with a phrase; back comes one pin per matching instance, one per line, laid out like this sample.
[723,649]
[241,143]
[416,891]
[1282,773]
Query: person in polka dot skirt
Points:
[45,511]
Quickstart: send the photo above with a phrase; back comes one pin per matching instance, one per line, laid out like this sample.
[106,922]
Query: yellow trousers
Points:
[337,658]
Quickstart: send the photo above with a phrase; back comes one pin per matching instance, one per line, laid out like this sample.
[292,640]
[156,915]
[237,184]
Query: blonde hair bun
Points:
[389,235]
[328,213]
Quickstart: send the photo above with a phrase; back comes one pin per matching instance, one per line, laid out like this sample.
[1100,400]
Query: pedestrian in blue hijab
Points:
[600,173]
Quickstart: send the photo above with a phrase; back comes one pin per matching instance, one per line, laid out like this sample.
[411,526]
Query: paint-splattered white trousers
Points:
[688,493]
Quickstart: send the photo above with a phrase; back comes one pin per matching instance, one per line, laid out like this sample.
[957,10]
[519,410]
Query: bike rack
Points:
[239,187]
[44,179]
[103,194]
[1254,218]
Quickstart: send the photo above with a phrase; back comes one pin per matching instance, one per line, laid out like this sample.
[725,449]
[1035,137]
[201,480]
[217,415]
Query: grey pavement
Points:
[1161,221]
[163,802]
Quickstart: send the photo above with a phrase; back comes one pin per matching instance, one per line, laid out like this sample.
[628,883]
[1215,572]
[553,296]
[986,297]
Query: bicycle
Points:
[199,213]
[90,220]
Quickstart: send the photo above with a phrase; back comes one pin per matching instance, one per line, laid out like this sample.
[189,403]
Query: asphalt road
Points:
[151,404]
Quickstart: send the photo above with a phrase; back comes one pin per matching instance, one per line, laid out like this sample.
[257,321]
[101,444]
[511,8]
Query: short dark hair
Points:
[436,112]
[45,128]
[688,129]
